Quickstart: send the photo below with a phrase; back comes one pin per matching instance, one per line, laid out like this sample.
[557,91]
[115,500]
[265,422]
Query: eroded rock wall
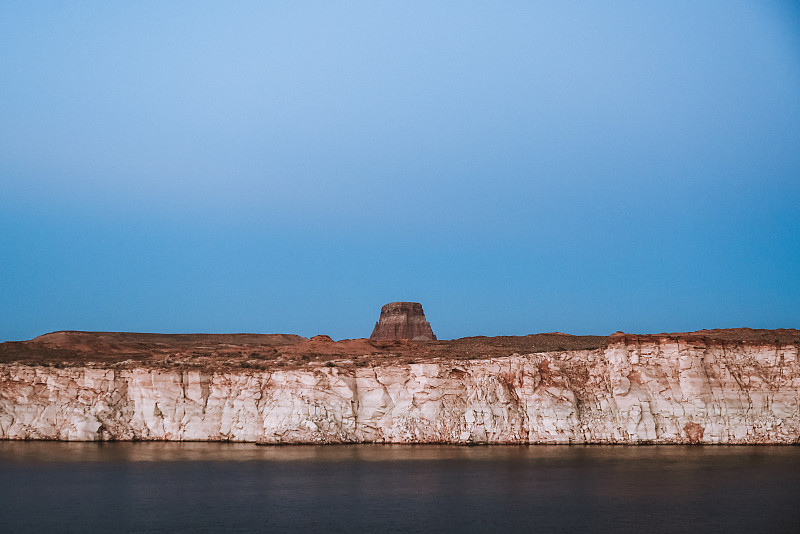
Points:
[659,391]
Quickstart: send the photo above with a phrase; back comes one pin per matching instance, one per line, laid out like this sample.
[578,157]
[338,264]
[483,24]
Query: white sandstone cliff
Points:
[658,391]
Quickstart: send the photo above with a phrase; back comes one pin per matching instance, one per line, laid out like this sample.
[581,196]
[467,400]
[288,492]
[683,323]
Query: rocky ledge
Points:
[722,386]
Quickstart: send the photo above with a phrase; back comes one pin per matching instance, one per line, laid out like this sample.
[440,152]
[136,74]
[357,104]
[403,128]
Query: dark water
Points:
[201,487]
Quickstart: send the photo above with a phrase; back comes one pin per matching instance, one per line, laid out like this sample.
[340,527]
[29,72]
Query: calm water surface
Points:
[208,487]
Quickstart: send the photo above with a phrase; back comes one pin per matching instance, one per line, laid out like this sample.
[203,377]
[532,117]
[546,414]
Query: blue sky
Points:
[517,167]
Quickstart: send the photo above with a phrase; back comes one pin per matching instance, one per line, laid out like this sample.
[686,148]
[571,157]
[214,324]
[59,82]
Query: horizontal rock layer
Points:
[652,391]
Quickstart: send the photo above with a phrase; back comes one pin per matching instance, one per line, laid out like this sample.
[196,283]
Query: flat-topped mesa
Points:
[402,320]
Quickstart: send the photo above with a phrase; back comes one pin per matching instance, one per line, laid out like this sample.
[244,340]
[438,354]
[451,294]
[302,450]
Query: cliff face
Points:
[637,389]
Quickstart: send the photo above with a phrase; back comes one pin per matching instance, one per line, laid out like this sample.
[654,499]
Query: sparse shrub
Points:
[330,364]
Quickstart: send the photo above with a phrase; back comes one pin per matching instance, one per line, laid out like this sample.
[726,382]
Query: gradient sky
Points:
[517,167]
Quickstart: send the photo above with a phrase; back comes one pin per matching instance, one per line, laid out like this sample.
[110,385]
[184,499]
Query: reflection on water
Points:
[156,487]
[155,451]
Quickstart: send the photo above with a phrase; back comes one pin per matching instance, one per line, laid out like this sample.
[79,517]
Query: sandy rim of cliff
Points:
[275,351]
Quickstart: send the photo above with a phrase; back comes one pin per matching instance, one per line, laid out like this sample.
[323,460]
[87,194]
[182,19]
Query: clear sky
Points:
[517,167]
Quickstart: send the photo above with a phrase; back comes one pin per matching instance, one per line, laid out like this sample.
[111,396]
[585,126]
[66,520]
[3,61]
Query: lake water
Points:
[212,487]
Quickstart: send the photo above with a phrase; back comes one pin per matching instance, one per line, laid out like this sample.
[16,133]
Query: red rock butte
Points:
[402,320]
